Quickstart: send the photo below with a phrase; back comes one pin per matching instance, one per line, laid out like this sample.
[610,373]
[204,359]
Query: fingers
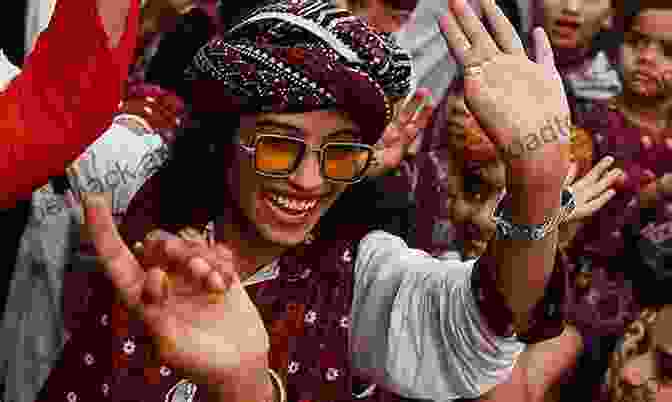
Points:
[421,108]
[505,34]
[156,287]
[216,282]
[120,265]
[413,115]
[494,174]
[593,206]
[166,249]
[457,42]
[607,181]
[543,53]
[597,171]
[198,277]
[192,260]
[571,174]
[483,47]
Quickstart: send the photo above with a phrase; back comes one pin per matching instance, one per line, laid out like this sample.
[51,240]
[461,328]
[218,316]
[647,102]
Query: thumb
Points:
[119,263]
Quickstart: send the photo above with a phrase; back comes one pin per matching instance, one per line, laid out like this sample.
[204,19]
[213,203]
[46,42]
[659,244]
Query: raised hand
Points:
[400,134]
[192,302]
[521,104]
[594,190]
[591,193]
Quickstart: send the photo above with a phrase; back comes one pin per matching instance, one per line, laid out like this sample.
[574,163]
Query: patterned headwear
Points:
[298,56]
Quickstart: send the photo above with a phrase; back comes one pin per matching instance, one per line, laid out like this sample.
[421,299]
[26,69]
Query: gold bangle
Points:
[278,384]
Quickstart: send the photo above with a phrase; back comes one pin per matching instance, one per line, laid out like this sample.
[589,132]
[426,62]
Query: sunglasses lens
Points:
[345,161]
[276,155]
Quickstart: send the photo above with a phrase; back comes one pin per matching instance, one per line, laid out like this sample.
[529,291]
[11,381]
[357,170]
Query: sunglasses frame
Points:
[307,148]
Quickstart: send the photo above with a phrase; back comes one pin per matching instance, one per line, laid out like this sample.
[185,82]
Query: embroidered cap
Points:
[298,56]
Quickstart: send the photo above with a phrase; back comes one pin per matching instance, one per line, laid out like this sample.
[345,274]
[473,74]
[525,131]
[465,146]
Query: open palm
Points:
[402,131]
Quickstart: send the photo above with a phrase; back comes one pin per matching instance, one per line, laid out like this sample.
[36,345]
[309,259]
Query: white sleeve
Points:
[416,328]
[119,162]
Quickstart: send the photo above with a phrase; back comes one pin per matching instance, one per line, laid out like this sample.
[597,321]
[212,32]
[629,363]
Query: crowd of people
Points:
[278,201]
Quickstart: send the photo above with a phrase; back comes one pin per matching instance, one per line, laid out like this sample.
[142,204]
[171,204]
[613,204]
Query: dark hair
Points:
[177,48]
[229,12]
[193,177]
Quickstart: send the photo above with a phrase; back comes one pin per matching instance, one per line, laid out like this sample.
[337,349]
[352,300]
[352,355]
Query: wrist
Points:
[540,174]
[534,207]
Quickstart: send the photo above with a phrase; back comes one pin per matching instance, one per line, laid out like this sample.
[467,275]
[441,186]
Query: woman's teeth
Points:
[293,204]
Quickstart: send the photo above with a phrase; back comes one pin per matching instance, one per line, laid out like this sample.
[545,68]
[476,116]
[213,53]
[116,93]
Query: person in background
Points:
[620,253]
[583,38]
[636,131]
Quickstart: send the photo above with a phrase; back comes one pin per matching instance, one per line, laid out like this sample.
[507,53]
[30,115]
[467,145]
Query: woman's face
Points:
[647,53]
[572,24]
[284,211]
